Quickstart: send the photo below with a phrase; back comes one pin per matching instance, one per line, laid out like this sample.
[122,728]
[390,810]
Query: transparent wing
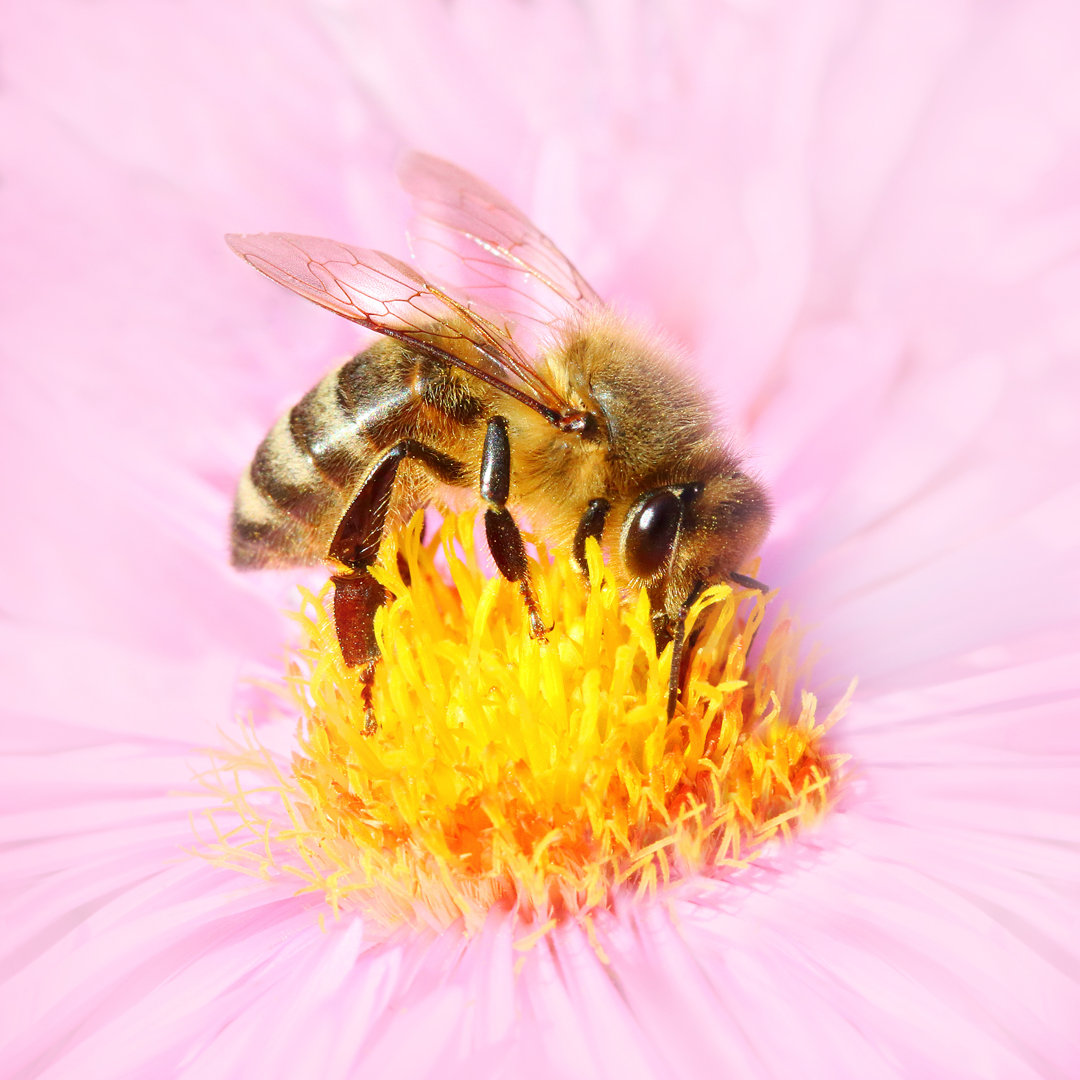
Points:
[386,295]
[499,253]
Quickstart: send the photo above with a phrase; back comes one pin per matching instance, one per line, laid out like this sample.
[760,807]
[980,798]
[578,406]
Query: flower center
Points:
[545,777]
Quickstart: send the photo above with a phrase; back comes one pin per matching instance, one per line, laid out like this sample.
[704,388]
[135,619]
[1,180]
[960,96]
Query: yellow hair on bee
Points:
[539,776]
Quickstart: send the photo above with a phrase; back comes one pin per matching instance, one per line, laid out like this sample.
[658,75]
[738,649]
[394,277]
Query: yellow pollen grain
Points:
[536,776]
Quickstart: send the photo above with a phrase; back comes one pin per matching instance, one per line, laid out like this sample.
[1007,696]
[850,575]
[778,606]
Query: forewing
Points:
[502,255]
[386,295]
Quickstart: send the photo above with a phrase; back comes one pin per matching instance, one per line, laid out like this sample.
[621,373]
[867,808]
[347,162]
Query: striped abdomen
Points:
[315,459]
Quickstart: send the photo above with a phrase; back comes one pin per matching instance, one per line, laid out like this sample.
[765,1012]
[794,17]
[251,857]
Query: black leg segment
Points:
[591,524]
[674,630]
[495,464]
[748,582]
[507,547]
[503,536]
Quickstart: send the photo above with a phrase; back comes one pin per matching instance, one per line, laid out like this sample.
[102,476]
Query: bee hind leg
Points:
[503,536]
[357,595]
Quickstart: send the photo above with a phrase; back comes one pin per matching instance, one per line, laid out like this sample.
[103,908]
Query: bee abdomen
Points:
[264,535]
[281,503]
[309,466]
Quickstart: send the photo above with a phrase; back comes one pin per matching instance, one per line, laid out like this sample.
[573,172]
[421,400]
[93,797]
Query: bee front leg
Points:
[667,629]
[357,595]
[591,524]
[503,536]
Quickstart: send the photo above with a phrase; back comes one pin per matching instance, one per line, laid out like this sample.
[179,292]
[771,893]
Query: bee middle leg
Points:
[667,628]
[357,594]
[503,536]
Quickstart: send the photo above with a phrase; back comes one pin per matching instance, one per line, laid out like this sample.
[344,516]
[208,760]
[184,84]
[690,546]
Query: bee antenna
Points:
[748,582]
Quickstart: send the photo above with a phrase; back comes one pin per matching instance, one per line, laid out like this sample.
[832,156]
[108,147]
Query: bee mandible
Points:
[536,400]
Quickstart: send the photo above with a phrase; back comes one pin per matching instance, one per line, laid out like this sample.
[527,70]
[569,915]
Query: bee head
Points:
[677,537]
[726,525]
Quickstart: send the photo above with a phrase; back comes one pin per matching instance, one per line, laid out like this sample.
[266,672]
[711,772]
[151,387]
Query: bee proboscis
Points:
[538,400]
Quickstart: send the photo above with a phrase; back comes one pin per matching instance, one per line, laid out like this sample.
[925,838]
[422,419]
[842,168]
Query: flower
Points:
[861,220]
[541,778]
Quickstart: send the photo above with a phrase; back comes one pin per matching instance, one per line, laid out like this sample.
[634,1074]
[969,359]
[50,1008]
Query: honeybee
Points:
[539,400]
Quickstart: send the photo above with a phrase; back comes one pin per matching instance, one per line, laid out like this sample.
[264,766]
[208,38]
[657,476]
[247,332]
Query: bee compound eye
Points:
[651,533]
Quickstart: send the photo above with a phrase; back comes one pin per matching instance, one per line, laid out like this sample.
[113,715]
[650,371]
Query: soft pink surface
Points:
[862,221]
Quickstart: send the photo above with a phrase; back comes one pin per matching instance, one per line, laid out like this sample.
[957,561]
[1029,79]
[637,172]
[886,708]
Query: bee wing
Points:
[386,295]
[498,250]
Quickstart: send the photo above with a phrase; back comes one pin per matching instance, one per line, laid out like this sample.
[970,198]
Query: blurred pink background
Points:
[860,219]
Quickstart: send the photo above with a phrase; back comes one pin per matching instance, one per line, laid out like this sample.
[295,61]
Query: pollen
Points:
[509,772]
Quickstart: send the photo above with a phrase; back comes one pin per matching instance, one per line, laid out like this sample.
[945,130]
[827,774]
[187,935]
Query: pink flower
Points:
[860,218]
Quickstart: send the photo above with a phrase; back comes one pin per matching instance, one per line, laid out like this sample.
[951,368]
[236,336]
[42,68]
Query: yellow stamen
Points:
[507,772]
